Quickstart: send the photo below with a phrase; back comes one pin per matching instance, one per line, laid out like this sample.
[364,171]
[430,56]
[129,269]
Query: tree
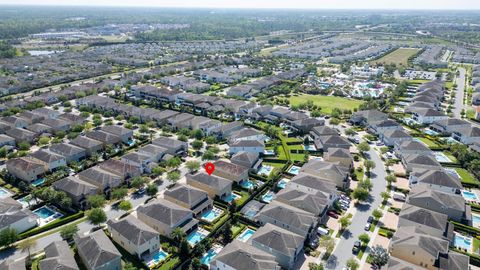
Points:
[43,140]
[327,242]
[138,182]
[152,190]
[352,264]
[363,147]
[125,205]
[344,222]
[129,266]
[96,201]
[184,249]
[96,216]
[377,214]
[67,232]
[173,163]
[197,145]
[26,246]
[315,266]
[24,146]
[334,121]
[177,235]
[379,256]
[391,178]
[360,194]
[173,176]
[369,164]
[119,193]
[385,195]
[157,170]
[364,238]
[192,165]
[365,184]
[8,236]
[198,134]
[227,233]
[208,155]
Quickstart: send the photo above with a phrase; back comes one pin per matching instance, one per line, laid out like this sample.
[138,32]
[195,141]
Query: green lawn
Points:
[428,142]
[466,176]
[273,164]
[398,57]
[326,103]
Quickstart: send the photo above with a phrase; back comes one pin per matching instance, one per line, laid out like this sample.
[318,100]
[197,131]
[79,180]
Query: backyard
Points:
[398,57]
[326,103]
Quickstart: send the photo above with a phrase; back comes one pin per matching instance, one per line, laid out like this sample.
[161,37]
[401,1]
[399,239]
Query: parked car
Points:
[370,219]
[313,243]
[356,247]
[332,214]
[367,226]
[322,231]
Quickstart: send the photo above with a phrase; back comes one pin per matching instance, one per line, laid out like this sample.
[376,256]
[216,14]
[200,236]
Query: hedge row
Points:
[52,225]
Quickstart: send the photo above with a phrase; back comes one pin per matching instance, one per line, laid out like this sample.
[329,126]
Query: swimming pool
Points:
[430,132]
[231,197]
[463,242]
[283,183]
[265,170]
[196,236]
[209,255]
[157,257]
[27,201]
[309,147]
[269,152]
[441,157]
[245,235]
[46,215]
[476,220]
[4,193]
[212,214]
[38,182]
[469,196]
[294,170]
[247,184]
[268,197]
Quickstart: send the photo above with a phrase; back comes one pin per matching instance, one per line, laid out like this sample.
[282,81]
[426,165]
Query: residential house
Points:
[121,168]
[165,216]
[250,146]
[363,118]
[51,160]
[214,185]
[323,143]
[12,215]
[102,179]
[286,246]
[238,255]
[57,125]
[313,184]
[340,155]
[411,147]
[419,162]
[427,116]
[77,189]
[230,171]
[314,202]
[6,140]
[449,125]
[104,137]
[440,180]
[189,197]
[134,236]
[10,264]
[247,134]
[97,252]
[174,147]
[25,168]
[91,146]
[247,159]
[467,135]
[333,172]
[304,126]
[21,135]
[382,126]
[40,129]
[125,134]
[288,217]
[392,136]
[58,255]
[452,205]
[139,159]
[69,151]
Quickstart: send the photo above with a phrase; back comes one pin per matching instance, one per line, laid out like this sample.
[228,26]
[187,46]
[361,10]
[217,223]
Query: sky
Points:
[299,4]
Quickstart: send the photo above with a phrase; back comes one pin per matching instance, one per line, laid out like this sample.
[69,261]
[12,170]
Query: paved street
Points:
[459,105]
[343,250]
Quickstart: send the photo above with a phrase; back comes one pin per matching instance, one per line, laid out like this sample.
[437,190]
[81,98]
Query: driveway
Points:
[342,251]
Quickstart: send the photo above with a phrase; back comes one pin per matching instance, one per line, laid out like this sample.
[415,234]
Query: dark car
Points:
[370,219]
[356,247]
[332,214]
[313,243]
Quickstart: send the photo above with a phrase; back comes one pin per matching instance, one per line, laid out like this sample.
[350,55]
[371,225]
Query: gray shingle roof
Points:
[74,186]
[186,194]
[424,216]
[59,257]
[242,256]
[97,249]
[164,211]
[133,229]
[278,239]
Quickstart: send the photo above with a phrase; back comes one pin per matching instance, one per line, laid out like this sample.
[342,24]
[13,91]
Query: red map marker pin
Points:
[209,168]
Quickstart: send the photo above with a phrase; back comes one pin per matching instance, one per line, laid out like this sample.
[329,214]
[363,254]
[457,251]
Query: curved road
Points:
[343,250]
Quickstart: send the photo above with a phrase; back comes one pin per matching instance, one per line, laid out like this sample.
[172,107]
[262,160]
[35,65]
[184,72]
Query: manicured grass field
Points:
[398,57]
[466,176]
[327,103]
[428,142]
[273,164]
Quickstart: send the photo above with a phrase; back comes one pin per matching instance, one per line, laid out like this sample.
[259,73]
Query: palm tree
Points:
[26,246]
[177,235]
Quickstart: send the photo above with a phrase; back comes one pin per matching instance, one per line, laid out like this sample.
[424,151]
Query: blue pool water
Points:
[4,193]
[269,152]
[159,256]
[130,143]
[245,235]
[194,237]
[430,132]
[211,214]
[38,182]
[469,195]
[247,184]
[265,169]
[282,184]
[441,157]
[268,197]
[207,257]
[476,220]
[309,147]
[294,170]
[44,212]
[463,242]
[231,197]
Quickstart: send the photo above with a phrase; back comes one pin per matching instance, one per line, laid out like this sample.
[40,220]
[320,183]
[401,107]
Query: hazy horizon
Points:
[267,4]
